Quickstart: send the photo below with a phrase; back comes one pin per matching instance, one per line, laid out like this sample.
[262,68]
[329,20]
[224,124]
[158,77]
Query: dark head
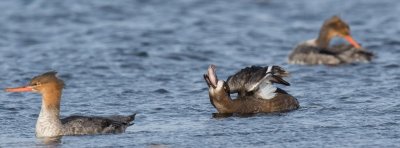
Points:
[218,89]
[41,84]
[337,27]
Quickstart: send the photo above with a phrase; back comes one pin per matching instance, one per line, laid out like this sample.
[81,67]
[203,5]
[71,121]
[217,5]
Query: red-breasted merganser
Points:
[49,123]
[317,51]
[256,94]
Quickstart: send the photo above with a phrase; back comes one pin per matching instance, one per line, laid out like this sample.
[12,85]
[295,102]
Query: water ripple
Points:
[148,56]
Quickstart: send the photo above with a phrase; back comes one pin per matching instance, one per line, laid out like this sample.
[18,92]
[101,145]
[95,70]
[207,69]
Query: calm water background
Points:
[148,56]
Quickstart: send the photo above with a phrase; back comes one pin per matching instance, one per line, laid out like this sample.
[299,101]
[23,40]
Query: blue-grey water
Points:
[148,56]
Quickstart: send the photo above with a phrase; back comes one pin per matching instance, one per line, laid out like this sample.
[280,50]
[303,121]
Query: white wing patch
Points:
[269,69]
[254,86]
[266,91]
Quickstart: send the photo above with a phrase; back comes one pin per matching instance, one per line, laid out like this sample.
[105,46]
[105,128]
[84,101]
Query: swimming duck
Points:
[256,92]
[49,123]
[318,51]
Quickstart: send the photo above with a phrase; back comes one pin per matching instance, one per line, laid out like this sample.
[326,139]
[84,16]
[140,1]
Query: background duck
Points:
[318,51]
[50,125]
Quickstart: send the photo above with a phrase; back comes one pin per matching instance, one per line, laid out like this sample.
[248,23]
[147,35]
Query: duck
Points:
[49,123]
[256,92]
[317,51]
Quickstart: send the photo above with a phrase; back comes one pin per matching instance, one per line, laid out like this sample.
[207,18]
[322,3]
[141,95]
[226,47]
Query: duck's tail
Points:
[130,119]
[126,120]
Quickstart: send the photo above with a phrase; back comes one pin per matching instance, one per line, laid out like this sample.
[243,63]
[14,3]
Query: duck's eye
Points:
[226,88]
[36,84]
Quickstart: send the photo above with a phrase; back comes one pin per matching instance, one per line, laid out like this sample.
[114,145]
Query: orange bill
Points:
[20,89]
[352,41]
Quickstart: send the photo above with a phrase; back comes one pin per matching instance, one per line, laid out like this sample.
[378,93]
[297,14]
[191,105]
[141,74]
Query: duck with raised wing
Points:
[49,123]
[256,92]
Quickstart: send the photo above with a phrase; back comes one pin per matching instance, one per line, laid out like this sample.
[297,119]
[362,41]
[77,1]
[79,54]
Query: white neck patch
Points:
[312,42]
[48,123]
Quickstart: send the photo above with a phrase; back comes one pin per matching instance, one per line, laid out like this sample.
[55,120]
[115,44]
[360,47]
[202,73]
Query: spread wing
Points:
[248,80]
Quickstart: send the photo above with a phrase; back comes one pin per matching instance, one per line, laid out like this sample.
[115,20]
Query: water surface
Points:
[148,56]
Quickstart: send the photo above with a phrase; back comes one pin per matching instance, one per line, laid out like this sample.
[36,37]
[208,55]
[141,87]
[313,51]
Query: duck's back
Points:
[82,125]
[352,55]
[306,53]
[282,102]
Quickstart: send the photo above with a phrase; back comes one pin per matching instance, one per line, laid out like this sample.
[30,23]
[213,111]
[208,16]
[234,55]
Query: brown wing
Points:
[248,79]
